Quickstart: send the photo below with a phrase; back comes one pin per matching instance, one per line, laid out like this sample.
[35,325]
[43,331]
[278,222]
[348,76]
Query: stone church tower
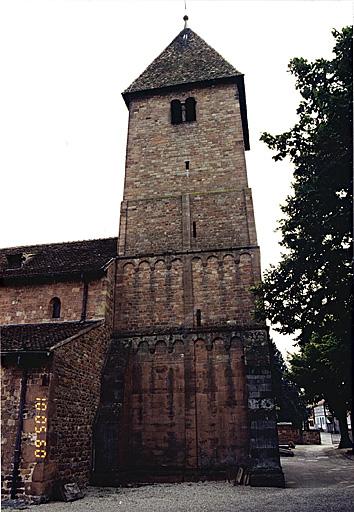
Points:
[186,391]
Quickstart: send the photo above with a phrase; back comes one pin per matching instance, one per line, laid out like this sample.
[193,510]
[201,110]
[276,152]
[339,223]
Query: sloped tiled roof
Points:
[187,59]
[59,259]
[39,337]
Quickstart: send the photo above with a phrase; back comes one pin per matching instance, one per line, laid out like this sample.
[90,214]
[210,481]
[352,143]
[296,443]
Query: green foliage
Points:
[309,292]
[290,405]
[322,369]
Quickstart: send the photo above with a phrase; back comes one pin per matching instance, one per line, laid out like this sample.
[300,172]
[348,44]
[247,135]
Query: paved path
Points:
[319,479]
[317,466]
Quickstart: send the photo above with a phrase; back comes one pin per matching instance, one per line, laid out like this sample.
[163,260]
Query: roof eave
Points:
[47,277]
[50,349]
[59,344]
[243,108]
[25,352]
[128,95]
[236,79]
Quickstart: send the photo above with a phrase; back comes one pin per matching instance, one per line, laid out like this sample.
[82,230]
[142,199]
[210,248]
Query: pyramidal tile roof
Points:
[187,59]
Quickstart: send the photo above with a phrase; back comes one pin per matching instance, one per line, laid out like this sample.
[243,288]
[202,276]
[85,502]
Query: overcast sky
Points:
[63,122]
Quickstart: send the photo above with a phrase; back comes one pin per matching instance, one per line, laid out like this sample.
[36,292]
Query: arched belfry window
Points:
[55,306]
[183,112]
[190,110]
[176,112]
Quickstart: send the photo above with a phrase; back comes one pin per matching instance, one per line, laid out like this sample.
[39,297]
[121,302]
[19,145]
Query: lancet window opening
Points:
[183,112]
[55,307]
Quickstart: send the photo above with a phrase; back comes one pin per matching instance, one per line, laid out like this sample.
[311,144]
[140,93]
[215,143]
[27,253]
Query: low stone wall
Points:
[311,437]
[288,433]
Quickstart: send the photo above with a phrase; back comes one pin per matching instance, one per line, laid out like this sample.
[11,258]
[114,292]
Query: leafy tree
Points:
[290,406]
[322,369]
[309,292]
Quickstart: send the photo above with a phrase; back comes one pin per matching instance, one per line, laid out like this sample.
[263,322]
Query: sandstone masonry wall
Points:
[25,304]
[77,368]
[183,408]
[213,145]
[156,292]
[220,219]
[30,303]
[10,399]
[187,386]
[70,385]
[187,243]
[206,430]
[35,473]
[101,296]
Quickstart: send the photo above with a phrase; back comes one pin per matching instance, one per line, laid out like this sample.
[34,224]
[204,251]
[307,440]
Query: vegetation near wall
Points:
[309,292]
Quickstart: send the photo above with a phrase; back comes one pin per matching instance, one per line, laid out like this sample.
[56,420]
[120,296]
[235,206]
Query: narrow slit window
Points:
[55,307]
[176,112]
[194,229]
[45,380]
[199,317]
[187,165]
[190,110]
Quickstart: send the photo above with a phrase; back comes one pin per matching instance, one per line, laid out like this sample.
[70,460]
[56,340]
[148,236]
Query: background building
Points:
[56,305]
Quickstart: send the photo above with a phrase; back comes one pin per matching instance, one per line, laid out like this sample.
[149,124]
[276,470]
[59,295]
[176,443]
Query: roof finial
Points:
[185,17]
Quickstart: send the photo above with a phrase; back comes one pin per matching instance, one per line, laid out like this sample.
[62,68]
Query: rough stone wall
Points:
[100,297]
[77,371]
[213,145]
[264,469]
[222,219]
[25,304]
[168,290]
[287,433]
[183,411]
[77,368]
[152,226]
[149,293]
[187,240]
[222,288]
[71,389]
[187,259]
[10,399]
[311,437]
[36,474]
[169,208]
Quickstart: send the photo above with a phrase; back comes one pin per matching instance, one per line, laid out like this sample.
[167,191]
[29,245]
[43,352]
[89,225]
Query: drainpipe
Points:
[17,452]
[84,299]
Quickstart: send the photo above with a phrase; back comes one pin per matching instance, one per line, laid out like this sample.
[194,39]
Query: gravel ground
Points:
[318,478]
[207,497]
